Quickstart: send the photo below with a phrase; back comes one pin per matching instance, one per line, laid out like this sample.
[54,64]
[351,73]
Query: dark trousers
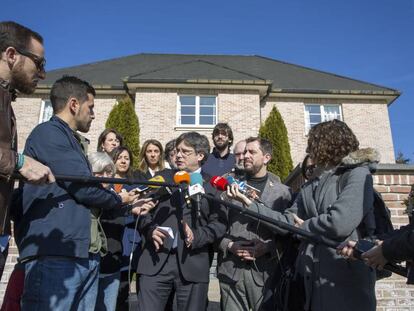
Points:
[154,291]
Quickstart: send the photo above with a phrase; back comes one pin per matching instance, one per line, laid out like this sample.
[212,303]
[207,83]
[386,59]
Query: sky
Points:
[368,40]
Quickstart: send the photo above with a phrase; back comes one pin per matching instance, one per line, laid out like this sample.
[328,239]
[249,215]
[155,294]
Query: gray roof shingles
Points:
[182,67]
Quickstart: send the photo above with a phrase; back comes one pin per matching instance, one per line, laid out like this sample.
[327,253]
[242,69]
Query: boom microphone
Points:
[312,237]
[99,180]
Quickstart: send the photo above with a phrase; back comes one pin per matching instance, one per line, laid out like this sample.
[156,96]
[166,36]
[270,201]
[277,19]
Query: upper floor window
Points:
[196,110]
[46,111]
[315,114]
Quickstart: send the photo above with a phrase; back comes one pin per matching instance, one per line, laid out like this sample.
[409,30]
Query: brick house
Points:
[194,92]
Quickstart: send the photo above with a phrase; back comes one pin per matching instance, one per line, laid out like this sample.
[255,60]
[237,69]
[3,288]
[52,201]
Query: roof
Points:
[283,77]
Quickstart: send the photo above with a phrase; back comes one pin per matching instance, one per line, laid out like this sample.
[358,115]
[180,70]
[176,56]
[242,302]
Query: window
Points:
[196,110]
[315,114]
[46,111]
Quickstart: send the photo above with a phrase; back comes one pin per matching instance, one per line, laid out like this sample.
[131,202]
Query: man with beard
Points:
[248,251]
[58,234]
[21,67]
[220,161]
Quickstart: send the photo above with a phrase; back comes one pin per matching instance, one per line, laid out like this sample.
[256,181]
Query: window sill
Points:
[193,127]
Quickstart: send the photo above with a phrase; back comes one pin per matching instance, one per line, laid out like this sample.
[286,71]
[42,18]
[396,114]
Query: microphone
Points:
[242,184]
[158,179]
[182,178]
[246,189]
[158,193]
[219,183]
[196,189]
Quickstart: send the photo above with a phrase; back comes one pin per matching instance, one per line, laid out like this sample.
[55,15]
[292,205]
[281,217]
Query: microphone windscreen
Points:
[182,177]
[231,179]
[219,183]
[157,178]
[196,178]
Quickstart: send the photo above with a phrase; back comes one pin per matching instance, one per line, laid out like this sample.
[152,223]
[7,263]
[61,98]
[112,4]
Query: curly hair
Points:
[329,142]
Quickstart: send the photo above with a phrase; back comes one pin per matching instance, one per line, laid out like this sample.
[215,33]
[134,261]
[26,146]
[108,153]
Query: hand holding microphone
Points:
[128,197]
[143,206]
[232,190]
[244,188]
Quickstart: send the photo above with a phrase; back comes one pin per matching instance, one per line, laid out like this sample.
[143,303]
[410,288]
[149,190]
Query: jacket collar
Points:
[6,85]
[362,157]
[217,155]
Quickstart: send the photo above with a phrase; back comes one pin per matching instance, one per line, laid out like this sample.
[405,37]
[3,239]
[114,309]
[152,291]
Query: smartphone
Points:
[361,247]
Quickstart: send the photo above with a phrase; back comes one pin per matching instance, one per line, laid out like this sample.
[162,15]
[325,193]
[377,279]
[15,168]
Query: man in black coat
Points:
[178,238]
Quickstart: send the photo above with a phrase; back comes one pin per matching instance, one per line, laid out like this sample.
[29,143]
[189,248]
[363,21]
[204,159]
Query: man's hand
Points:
[143,206]
[375,257]
[298,221]
[241,248]
[35,172]
[259,249]
[346,249]
[129,197]
[234,193]
[158,236]
[189,236]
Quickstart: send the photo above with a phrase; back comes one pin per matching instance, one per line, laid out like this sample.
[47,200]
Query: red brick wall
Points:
[393,293]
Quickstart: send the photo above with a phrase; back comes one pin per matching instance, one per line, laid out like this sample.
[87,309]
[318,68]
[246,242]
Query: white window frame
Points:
[197,112]
[42,111]
[322,110]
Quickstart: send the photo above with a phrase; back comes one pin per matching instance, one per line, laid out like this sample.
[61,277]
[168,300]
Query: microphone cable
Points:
[131,255]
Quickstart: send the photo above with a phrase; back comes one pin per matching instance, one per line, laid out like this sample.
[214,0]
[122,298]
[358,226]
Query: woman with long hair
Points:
[327,280]
[122,158]
[108,140]
[151,158]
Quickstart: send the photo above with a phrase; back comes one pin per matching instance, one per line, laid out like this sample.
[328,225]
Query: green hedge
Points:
[274,129]
[124,119]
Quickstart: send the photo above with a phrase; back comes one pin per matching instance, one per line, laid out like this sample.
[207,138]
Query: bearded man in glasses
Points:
[21,67]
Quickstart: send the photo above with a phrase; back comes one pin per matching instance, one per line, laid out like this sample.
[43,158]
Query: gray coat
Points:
[241,228]
[332,282]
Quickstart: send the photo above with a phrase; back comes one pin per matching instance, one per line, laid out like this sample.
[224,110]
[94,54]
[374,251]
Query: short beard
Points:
[221,148]
[19,80]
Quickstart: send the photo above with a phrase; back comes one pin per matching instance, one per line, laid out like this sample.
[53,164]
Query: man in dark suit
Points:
[178,239]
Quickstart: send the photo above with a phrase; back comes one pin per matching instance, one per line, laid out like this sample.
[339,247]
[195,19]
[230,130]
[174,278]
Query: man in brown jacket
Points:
[21,66]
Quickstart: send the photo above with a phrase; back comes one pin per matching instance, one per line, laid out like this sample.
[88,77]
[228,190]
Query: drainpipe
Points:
[262,100]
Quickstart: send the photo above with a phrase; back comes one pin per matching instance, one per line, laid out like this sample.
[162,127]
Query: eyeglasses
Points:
[40,62]
[185,153]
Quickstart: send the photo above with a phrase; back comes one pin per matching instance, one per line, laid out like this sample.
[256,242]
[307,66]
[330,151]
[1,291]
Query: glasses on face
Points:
[40,62]
[184,152]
